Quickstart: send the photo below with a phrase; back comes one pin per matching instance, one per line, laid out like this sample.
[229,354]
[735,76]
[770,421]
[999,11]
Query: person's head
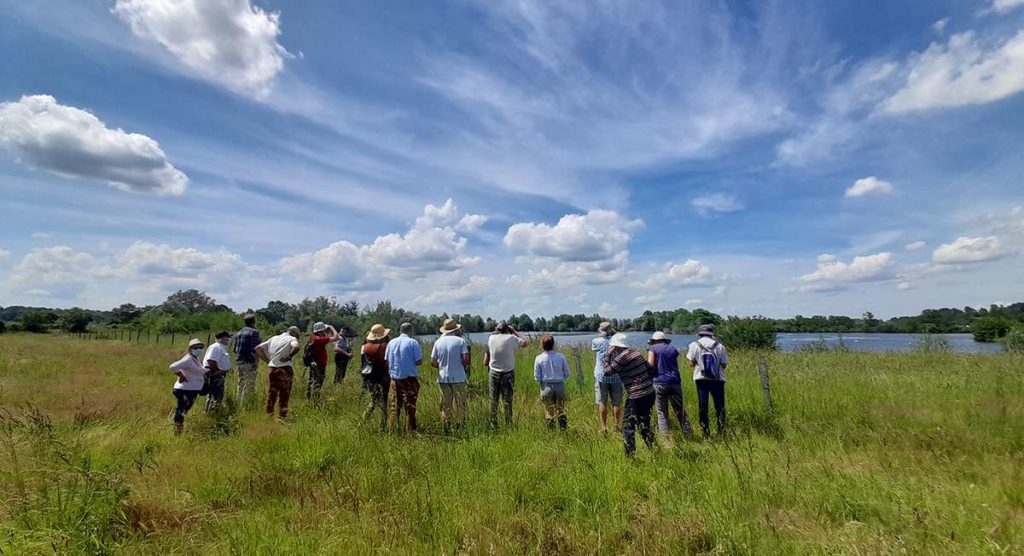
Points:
[706,330]
[606,329]
[619,341]
[547,342]
[319,329]
[294,331]
[195,347]
[659,337]
[450,328]
[377,333]
[223,336]
[502,328]
[249,320]
[407,329]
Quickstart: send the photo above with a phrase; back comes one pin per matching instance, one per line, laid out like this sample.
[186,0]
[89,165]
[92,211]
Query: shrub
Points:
[1015,340]
[37,320]
[990,329]
[930,343]
[748,333]
[821,346]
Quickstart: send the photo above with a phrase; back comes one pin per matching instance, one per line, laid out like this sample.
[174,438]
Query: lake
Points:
[963,343]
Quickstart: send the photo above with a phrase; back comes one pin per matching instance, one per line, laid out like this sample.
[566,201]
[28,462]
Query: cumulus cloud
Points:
[964,71]
[869,186]
[677,275]
[940,25]
[647,299]
[915,246]
[472,291]
[594,236]
[716,202]
[969,250]
[53,265]
[72,142]
[1004,6]
[228,42]
[832,273]
[563,276]
[471,222]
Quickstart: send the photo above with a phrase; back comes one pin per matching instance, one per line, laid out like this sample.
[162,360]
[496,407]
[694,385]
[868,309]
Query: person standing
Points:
[450,356]
[278,352]
[551,370]
[217,363]
[376,379]
[632,368]
[323,334]
[500,361]
[607,387]
[190,381]
[246,341]
[404,356]
[668,386]
[709,359]
[342,354]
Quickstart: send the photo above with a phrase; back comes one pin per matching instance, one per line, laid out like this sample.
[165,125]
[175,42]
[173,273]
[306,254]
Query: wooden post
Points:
[577,355]
[172,338]
[762,367]
[208,343]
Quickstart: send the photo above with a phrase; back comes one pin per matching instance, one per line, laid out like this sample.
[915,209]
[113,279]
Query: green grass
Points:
[867,453]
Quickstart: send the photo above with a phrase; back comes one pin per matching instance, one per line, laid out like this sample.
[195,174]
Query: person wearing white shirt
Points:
[709,359]
[278,352]
[190,381]
[500,361]
[217,363]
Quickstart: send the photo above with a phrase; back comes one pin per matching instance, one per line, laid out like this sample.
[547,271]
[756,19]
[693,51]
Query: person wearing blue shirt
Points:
[404,355]
[450,356]
[607,387]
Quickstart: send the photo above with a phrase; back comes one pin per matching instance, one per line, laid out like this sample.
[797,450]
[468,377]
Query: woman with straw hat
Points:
[376,379]
[190,373]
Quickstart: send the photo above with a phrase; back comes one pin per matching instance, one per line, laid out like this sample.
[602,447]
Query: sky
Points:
[749,157]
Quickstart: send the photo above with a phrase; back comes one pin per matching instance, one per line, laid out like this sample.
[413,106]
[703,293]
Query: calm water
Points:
[791,342]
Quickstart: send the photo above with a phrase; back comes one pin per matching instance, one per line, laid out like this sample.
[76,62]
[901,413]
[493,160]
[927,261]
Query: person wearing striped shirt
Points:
[631,366]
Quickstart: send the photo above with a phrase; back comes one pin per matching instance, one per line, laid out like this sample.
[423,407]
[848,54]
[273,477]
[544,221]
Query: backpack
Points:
[711,367]
[307,354]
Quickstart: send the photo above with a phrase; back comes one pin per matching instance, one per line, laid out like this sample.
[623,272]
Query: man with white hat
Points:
[278,352]
[450,356]
[709,359]
[323,334]
[632,368]
[668,386]
[607,388]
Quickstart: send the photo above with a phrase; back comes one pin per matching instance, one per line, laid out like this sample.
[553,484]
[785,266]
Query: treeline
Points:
[193,310]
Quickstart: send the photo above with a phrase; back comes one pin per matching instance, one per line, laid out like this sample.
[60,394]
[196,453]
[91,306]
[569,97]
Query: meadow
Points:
[864,454]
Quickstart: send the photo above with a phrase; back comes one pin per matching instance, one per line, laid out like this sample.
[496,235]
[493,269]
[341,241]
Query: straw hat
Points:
[450,326]
[377,332]
[605,327]
[619,340]
[659,336]
[194,342]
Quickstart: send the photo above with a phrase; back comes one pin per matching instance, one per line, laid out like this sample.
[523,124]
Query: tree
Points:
[37,320]
[276,312]
[74,320]
[990,329]
[125,314]
[189,301]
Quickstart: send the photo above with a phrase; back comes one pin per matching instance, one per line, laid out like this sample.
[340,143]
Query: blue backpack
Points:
[711,367]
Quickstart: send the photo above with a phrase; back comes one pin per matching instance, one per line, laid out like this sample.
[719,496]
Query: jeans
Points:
[501,386]
[280,390]
[246,381]
[340,367]
[315,381]
[715,389]
[671,394]
[185,399]
[215,382]
[378,399]
[637,415]
[404,393]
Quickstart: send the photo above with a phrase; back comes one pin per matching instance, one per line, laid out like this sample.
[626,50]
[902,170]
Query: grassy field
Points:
[867,453]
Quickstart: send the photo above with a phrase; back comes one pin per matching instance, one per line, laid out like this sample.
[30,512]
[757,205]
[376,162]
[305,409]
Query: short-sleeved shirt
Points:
[279,347]
[600,348]
[245,343]
[666,359]
[319,346]
[448,351]
[218,354]
[631,366]
[402,354]
[193,371]
[695,352]
[342,343]
[502,348]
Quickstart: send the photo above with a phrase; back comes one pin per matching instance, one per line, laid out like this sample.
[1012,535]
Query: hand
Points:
[182,379]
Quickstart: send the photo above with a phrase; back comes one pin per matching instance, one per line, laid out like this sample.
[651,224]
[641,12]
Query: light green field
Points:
[869,453]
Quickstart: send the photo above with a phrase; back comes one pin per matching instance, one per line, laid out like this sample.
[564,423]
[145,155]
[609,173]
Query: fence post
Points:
[762,367]
[577,355]
[208,341]
[172,338]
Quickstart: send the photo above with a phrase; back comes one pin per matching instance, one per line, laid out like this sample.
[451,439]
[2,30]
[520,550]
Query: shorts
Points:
[604,390]
[552,392]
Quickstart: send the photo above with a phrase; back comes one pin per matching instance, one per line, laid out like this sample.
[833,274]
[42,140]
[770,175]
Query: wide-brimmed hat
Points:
[604,327]
[449,326]
[195,342]
[659,336]
[223,334]
[294,331]
[619,340]
[319,327]
[377,332]
[706,330]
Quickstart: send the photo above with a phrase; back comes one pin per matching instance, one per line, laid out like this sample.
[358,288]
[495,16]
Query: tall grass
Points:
[867,453]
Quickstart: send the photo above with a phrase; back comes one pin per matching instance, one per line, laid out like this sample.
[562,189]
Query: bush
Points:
[748,333]
[1015,340]
[930,343]
[37,320]
[990,329]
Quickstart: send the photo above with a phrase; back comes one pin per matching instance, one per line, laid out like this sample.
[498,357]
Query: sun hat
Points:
[706,330]
[659,336]
[223,334]
[319,327]
[619,340]
[377,332]
[449,326]
[294,331]
[604,327]
[195,342]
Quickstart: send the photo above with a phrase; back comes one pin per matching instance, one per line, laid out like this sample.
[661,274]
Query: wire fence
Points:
[142,337]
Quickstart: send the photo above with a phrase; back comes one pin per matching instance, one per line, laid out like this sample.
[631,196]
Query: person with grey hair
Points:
[278,352]
[404,355]
[500,359]
[709,359]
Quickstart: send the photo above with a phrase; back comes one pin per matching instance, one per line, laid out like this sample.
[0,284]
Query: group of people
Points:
[627,382]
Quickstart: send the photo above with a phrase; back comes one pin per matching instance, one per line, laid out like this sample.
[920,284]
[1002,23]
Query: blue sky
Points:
[771,158]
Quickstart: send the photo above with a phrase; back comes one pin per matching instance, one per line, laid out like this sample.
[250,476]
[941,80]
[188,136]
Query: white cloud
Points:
[827,258]
[904,286]
[869,186]
[832,273]
[677,275]
[1004,6]
[940,25]
[969,250]
[53,265]
[41,235]
[716,202]
[228,42]
[594,236]
[473,291]
[647,299]
[340,263]
[74,143]
[1011,222]
[964,71]
[471,222]
[915,246]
